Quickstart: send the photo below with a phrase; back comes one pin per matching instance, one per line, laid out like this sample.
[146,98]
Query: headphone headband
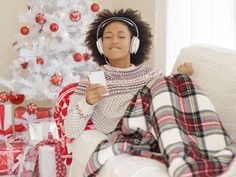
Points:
[123,19]
[134,44]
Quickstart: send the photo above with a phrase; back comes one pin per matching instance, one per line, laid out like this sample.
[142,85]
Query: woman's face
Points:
[116,44]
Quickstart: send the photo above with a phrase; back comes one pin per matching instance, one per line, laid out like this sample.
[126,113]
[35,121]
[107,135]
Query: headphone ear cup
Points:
[134,45]
[99,46]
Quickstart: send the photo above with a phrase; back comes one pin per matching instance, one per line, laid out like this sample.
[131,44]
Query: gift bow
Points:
[22,164]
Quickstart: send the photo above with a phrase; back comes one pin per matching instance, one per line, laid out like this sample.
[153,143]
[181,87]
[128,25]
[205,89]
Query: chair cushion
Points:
[214,70]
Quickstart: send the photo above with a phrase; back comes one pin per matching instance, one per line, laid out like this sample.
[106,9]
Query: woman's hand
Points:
[185,68]
[94,93]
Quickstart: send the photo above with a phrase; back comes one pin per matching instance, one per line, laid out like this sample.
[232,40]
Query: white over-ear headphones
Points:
[134,45]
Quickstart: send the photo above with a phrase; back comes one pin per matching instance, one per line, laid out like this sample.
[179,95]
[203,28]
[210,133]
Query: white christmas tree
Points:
[51,47]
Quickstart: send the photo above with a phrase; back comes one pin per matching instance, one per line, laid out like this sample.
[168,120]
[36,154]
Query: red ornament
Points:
[4,96]
[56,79]
[31,108]
[54,27]
[24,30]
[39,61]
[24,65]
[75,15]
[15,98]
[40,19]
[86,56]
[16,45]
[95,7]
[77,57]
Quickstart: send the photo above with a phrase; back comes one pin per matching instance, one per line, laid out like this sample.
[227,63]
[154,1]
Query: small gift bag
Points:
[26,162]
[9,150]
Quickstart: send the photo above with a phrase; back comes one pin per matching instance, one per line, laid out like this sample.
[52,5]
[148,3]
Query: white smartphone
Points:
[98,77]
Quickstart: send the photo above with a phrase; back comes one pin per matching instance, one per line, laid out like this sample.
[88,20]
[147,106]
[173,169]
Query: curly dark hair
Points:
[145,35]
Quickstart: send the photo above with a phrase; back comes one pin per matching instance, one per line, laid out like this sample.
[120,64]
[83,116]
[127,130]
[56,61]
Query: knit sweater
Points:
[122,84]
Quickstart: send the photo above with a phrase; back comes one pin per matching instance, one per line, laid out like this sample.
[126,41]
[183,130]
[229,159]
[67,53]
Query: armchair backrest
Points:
[214,71]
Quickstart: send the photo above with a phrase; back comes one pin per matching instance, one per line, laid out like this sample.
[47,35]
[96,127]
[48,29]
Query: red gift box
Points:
[9,151]
[21,120]
[39,114]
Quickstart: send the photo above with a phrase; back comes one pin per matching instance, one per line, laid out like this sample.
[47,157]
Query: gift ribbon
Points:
[22,164]
[4,120]
[2,116]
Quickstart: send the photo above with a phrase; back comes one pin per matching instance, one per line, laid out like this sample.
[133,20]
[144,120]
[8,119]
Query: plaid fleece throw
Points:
[172,121]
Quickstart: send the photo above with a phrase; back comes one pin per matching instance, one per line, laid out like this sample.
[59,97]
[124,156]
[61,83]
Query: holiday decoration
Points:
[95,7]
[24,65]
[40,61]
[31,108]
[56,79]
[54,27]
[15,45]
[75,15]
[4,96]
[77,57]
[40,19]
[50,33]
[15,98]
[86,56]
[24,30]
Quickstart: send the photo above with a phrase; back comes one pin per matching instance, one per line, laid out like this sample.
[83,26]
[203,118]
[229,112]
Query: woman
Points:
[120,42]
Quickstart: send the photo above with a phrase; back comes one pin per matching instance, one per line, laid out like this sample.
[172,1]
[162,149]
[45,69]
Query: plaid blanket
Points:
[173,121]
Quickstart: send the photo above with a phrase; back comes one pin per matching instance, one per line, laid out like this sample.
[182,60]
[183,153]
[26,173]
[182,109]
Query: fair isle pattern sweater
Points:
[122,83]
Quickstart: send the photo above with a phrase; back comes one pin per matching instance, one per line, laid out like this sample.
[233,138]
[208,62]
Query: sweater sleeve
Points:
[79,112]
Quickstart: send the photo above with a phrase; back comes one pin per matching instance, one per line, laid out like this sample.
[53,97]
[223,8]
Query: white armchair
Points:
[214,70]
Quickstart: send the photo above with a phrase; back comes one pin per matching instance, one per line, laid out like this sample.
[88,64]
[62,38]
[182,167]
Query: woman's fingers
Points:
[95,92]
[185,68]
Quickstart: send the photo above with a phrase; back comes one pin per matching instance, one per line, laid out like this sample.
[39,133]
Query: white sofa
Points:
[214,69]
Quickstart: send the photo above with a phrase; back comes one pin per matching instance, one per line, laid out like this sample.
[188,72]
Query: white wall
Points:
[9,13]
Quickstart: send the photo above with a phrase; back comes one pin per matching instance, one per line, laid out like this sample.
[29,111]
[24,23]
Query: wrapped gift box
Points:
[6,119]
[39,123]
[39,130]
[50,156]
[41,113]
[9,150]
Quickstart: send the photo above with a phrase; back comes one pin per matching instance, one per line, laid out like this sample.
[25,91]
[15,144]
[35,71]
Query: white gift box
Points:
[47,161]
[39,130]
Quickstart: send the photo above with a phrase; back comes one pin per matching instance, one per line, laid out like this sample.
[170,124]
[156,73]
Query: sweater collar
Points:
[112,68]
